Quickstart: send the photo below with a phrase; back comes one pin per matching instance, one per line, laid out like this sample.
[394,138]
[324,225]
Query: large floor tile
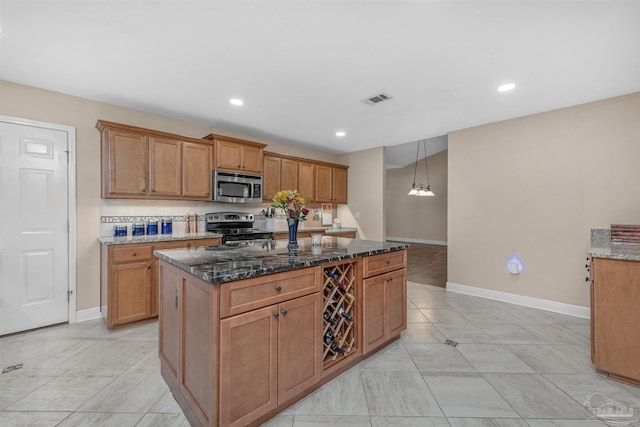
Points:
[438,358]
[430,302]
[493,358]
[281,420]
[444,315]
[557,334]
[342,396]
[163,420]
[468,396]
[398,394]
[581,387]
[377,421]
[547,359]
[422,332]
[104,419]
[487,422]
[62,394]
[533,396]
[393,357]
[414,315]
[331,420]
[509,334]
[18,384]
[566,423]
[134,391]
[464,333]
[31,419]
[489,316]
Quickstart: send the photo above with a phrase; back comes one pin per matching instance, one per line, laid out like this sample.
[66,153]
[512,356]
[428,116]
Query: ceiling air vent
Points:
[376,99]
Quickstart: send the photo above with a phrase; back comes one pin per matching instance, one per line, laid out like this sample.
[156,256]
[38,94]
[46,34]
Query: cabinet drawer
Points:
[378,264]
[131,253]
[250,294]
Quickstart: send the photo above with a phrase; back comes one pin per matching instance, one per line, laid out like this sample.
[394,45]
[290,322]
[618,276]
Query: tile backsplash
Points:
[126,212]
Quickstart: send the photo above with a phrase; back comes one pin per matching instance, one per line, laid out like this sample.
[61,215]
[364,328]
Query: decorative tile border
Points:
[132,219]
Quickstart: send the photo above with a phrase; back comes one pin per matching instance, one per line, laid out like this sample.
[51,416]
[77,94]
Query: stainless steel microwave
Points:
[232,187]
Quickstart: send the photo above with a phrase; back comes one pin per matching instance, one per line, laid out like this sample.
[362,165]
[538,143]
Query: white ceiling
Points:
[303,67]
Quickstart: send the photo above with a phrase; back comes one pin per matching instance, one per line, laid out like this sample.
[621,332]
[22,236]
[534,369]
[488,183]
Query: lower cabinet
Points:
[384,308]
[268,356]
[129,279]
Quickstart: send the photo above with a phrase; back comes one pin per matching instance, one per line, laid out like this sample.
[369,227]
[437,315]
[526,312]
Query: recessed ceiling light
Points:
[341,133]
[236,101]
[506,87]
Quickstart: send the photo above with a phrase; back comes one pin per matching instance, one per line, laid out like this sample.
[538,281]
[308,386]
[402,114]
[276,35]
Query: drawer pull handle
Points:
[176,299]
[284,312]
[149,267]
[278,288]
[276,315]
[388,262]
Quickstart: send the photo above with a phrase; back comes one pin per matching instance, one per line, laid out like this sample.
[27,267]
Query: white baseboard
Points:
[89,314]
[424,242]
[542,304]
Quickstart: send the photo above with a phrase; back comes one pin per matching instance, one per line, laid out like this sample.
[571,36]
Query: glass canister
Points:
[152,227]
[119,230]
[137,229]
[167,226]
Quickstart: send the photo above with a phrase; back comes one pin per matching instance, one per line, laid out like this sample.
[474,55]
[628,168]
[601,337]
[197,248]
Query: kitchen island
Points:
[247,331]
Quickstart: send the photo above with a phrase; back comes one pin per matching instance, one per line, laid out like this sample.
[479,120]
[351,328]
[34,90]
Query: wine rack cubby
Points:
[339,312]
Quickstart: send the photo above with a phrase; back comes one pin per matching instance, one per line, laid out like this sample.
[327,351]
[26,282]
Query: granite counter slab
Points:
[630,252]
[153,238]
[326,230]
[225,264]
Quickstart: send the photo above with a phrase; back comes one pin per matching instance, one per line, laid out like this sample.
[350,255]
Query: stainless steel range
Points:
[235,227]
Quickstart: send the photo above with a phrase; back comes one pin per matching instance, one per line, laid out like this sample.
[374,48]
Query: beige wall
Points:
[418,219]
[366,193]
[535,186]
[36,104]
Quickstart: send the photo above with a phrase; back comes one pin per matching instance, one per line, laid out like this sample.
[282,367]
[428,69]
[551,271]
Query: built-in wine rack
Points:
[339,329]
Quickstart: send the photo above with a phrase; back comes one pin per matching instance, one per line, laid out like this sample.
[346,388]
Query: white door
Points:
[34,235]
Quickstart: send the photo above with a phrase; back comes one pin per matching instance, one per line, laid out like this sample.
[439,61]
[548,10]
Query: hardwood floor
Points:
[427,264]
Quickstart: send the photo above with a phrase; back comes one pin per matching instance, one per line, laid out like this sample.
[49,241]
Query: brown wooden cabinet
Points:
[124,163]
[307,180]
[615,318]
[237,155]
[384,298]
[280,173]
[267,356]
[330,184]
[129,290]
[146,164]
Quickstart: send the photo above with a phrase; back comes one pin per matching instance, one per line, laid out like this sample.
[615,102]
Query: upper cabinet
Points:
[237,155]
[331,184]
[146,164]
[280,173]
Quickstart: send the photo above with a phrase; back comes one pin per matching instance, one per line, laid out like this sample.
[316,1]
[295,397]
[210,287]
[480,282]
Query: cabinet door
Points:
[248,366]
[289,175]
[616,317]
[306,180]
[396,303]
[169,318]
[373,322]
[251,159]
[339,185]
[271,177]
[228,155]
[196,171]
[126,157]
[299,345]
[131,292]
[323,184]
[165,167]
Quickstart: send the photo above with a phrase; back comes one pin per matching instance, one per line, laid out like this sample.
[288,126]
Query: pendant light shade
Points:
[421,189]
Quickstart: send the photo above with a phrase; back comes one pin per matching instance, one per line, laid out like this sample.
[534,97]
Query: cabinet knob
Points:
[142,190]
[586,279]
[278,288]
[153,190]
[276,315]
[133,254]
[284,312]
[388,262]
[149,267]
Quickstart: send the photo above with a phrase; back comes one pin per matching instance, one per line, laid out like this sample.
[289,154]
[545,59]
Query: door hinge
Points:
[69,292]
[67,151]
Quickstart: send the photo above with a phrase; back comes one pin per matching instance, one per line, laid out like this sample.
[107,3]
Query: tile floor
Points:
[513,366]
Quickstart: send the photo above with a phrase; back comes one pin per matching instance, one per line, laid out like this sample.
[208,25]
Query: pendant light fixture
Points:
[421,189]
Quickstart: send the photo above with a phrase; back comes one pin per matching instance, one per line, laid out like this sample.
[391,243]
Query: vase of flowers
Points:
[292,203]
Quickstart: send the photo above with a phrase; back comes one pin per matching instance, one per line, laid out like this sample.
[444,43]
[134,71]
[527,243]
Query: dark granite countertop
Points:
[226,264]
[125,240]
[326,230]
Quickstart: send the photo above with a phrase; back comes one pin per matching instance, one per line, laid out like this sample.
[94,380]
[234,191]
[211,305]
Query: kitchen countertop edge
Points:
[154,238]
[287,262]
[629,252]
